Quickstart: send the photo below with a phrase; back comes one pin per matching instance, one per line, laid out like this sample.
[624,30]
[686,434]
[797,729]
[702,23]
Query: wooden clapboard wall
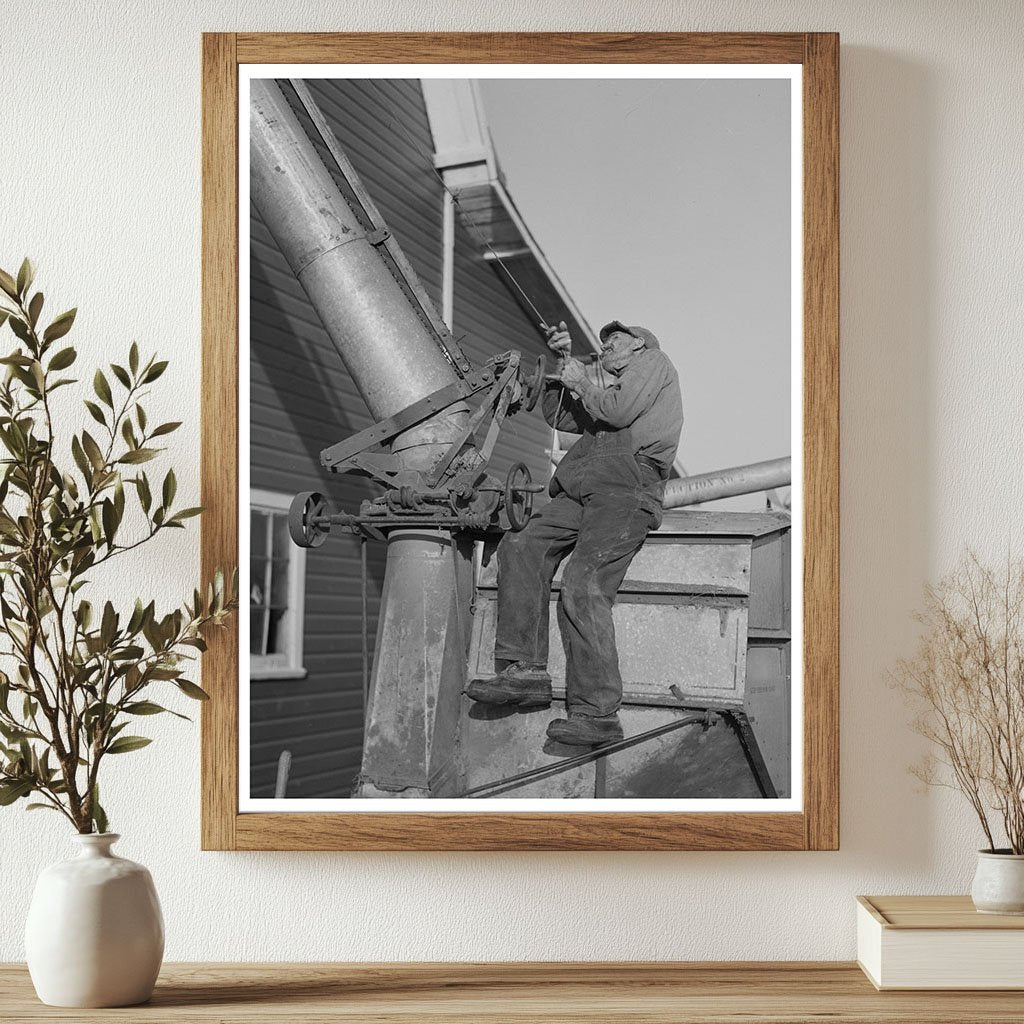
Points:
[303,399]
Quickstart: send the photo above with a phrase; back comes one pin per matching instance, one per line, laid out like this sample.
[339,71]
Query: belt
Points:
[650,463]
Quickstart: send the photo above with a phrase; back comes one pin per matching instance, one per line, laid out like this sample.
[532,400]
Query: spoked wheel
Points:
[518,496]
[309,520]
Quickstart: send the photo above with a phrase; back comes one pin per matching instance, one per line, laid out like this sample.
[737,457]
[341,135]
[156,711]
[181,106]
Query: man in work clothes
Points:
[607,494]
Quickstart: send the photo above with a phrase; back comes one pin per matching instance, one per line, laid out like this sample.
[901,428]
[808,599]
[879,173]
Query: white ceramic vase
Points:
[999,883]
[95,934]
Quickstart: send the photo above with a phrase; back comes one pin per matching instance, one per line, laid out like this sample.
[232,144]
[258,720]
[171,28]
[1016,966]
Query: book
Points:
[938,942]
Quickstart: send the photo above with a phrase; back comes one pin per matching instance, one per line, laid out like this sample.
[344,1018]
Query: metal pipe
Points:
[727,483]
[448,259]
[392,357]
[567,763]
[394,361]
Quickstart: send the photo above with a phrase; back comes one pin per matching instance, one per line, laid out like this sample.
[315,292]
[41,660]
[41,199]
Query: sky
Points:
[666,203]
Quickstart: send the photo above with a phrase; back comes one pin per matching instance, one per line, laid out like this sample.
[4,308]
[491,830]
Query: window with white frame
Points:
[277,586]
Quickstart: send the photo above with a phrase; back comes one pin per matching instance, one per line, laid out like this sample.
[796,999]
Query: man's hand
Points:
[558,340]
[573,376]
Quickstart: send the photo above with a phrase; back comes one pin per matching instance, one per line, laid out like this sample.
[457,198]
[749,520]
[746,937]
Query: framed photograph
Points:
[520,420]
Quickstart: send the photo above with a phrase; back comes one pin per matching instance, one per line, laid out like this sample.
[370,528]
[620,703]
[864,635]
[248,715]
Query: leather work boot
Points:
[521,685]
[585,731]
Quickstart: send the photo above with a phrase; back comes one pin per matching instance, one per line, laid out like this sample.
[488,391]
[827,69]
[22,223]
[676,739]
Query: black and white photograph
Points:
[520,438]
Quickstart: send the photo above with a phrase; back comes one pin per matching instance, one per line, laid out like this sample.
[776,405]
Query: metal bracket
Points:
[379,433]
[498,405]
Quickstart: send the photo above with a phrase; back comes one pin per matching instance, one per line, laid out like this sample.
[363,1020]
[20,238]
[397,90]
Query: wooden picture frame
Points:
[816,826]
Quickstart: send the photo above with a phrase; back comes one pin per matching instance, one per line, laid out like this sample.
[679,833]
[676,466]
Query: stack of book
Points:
[938,942]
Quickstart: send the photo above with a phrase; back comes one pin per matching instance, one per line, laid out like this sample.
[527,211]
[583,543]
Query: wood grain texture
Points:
[576,831]
[943,913]
[665,993]
[817,826]
[521,48]
[219,429]
[821,441]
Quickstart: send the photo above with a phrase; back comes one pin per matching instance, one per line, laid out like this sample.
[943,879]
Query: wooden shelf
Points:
[664,993]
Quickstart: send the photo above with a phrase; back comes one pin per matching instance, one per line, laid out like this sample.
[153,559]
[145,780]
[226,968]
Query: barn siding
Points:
[302,399]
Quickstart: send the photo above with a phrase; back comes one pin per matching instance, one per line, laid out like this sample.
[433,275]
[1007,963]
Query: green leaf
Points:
[109,518]
[79,456]
[99,816]
[92,449]
[191,690]
[170,487]
[154,372]
[108,626]
[140,415]
[166,428]
[42,807]
[20,328]
[60,326]
[143,707]
[147,707]
[34,308]
[185,513]
[145,497]
[26,272]
[128,433]
[125,744]
[16,359]
[121,374]
[138,455]
[135,622]
[95,412]
[11,791]
[133,358]
[7,283]
[102,388]
[63,359]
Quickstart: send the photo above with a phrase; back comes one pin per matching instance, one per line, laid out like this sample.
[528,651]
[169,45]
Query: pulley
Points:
[309,519]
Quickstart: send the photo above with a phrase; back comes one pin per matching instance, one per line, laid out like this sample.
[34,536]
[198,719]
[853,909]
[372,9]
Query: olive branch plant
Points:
[966,681]
[80,674]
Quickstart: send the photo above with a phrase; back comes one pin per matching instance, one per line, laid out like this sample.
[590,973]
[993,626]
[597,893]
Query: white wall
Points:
[99,167]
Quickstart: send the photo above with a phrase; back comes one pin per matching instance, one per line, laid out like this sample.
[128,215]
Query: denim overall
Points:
[604,502]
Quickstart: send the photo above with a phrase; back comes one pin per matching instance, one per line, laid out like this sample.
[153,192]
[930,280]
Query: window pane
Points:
[258,533]
[282,542]
[279,584]
[276,636]
[257,581]
[256,632]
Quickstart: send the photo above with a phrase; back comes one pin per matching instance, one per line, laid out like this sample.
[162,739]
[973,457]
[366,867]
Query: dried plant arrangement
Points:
[81,670]
[966,682]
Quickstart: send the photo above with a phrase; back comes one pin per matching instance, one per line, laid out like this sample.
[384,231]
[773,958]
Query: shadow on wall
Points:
[888,270]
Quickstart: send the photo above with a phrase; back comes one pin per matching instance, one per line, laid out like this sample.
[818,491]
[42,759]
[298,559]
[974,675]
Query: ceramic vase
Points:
[95,934]
[999,882]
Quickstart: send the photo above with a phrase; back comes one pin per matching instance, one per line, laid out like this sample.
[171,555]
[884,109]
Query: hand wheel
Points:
[308,519]
[518,496]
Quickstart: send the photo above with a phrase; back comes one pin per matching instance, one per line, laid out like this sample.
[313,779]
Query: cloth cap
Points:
[646,336]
